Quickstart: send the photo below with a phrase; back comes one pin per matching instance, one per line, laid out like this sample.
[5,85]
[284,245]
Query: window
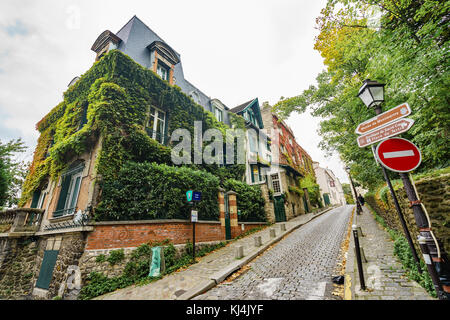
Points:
[162,70]
[218,113]
[156,124]
[275,183]
[70,188]
[253,141]
[256,177]
[83,116]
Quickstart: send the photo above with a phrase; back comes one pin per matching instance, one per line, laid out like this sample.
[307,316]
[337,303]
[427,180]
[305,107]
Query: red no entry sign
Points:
[398,154]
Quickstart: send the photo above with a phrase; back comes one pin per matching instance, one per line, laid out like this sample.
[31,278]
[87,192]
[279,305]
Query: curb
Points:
[221,275]
[349,276]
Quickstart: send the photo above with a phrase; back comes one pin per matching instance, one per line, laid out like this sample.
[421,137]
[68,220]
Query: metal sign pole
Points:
[397,206]
[193,236]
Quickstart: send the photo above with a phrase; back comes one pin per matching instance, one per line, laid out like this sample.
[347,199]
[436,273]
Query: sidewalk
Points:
[209,270]
[384,275]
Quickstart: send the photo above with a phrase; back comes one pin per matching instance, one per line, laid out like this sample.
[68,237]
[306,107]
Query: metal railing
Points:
[78,221]
[63,212]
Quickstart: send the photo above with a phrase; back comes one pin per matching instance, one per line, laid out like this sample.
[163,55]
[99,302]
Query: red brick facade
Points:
[123,235]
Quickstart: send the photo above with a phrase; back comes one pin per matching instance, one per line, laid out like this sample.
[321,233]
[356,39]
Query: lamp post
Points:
[372,95]
[358,205]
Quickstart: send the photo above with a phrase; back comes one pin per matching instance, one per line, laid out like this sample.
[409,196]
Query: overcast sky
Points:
[231,50]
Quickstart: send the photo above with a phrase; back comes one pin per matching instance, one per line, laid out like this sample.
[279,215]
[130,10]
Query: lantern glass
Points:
[366,97]
[377,93]
[371,93]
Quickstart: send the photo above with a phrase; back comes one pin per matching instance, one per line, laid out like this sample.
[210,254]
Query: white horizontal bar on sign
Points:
[398,154]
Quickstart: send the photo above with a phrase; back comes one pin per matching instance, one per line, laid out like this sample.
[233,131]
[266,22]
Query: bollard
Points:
[283,227]
[358,257]
[272,233]
[258,241]
[239,253]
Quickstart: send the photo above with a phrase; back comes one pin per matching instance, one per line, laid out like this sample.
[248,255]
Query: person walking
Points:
[361,199]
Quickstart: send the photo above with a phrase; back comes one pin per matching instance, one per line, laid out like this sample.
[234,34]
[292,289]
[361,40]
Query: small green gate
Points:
[47,266]
[326,199]
[280,214]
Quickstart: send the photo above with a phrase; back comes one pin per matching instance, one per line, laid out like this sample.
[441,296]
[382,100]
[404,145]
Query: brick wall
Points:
[124,234]
[132,234]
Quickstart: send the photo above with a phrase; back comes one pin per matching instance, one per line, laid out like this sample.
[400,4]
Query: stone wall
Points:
[89,261]
[435,195]
[17,267]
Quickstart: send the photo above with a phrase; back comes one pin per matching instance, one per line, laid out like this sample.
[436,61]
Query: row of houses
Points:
[56,214]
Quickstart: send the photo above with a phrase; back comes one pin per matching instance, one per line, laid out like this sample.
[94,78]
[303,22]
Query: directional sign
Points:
[387,131]
[384,118]
[398,154]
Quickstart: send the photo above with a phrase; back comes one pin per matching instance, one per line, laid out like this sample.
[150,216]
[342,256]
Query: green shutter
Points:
[35,200]
[47,266]
[75,192]
[65,183]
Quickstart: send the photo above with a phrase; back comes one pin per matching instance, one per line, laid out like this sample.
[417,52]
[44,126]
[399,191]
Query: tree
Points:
[12,172]
[408,52]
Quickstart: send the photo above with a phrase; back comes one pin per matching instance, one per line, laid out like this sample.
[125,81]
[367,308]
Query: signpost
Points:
[390,130]
[402,156]
[385,125]
[384,118]
[193,197]
[398,154]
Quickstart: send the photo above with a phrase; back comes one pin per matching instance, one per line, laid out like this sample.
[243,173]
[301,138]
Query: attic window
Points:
[163,70]
[106,41]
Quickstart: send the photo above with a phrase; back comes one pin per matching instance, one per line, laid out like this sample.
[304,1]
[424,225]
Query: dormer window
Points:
[163,60]
[105,42]
[217,108]
[163,70]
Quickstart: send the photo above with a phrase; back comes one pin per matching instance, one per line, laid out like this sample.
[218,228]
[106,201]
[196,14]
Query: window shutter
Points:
[63,194]
[35,200]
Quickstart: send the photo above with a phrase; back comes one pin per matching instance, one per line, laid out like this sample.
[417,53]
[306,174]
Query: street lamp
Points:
[358,205]
[372,93]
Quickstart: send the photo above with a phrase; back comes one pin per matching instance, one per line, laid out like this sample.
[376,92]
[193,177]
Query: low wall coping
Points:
[106,223]
[127,222]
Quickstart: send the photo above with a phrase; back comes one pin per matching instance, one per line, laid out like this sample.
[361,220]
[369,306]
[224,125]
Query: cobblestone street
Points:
[299,267]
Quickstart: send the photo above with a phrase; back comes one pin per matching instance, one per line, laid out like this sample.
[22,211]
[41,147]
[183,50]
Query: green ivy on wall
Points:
[115,96]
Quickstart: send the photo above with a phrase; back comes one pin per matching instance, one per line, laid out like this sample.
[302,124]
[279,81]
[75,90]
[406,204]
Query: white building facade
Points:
[331,190]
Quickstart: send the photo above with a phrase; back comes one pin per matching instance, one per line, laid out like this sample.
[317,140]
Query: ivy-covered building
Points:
[291,172]
[104,161]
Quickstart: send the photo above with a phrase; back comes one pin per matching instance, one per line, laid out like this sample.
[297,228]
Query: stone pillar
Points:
[232,206]
[268,204]
[221,199]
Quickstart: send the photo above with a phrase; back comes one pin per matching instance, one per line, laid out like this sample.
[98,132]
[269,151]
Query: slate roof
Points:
[136,36]
[241,107]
